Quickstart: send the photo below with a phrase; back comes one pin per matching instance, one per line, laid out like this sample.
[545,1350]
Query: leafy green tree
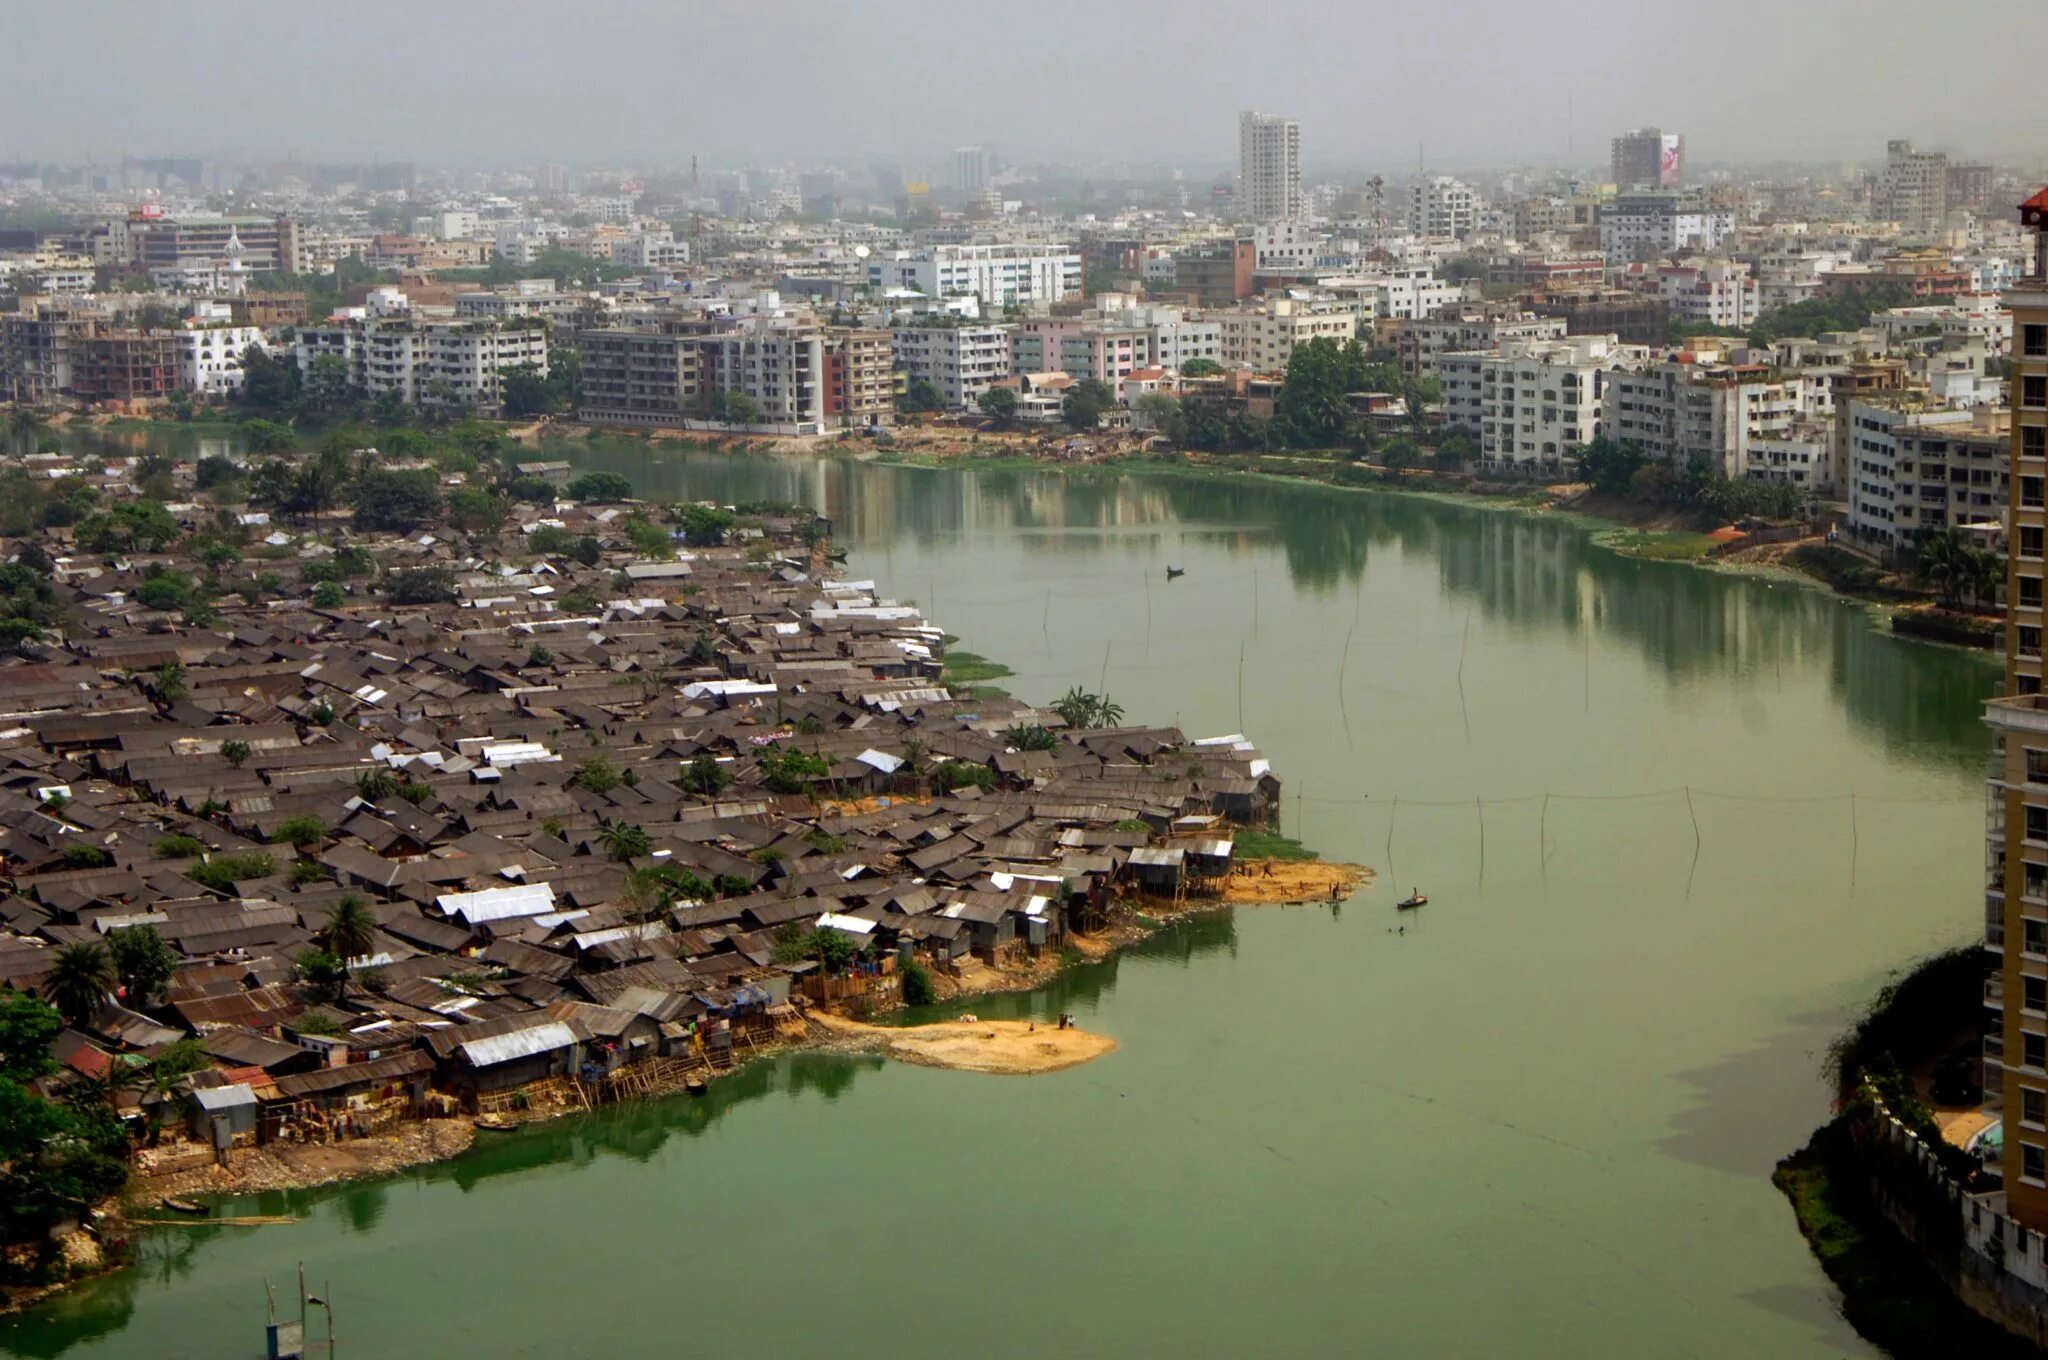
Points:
[704,775]
[422,585]
[80,980]
[597,775]
[1081,709]
[999,404]
[179,847]
[1200,368]
[526,392]
[600,486]
[835,949]
[143,963]
[236,752]
[323,972]
[86,855]
[1611,466]
[328,595]
[28,1028]
[1161,411]
[919,396]
[396,502]
[648,538]
[169,682]
[788,770]
[742,410]
[474,510]
[1087,402]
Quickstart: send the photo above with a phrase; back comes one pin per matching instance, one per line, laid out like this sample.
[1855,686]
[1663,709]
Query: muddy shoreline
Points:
[425,1142]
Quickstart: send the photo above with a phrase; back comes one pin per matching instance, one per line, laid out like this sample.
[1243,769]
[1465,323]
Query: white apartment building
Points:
[650,250]
[1000,275]
[1676,411]
[1531,403]
[1914,467]
[455,225]
[961,361]
[1263,338]
[1285,248]
[1442,206]
[1421,342]
[426,363]
[1712,293]
[210,349]
[1659,223]
[1178,338]
[522,297]
[1269,169]
[1913,191]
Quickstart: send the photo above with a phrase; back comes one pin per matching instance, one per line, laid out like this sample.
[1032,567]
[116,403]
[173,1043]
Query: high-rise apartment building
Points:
[970,168]
[1442,206]
[1914,188]
[1269,168]
[1648,158]
[2016,848]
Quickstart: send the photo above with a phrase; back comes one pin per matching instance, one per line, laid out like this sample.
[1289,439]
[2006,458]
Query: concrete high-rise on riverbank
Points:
[2016,850]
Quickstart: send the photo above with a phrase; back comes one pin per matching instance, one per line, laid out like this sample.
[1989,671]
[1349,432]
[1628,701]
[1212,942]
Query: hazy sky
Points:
[1476,81]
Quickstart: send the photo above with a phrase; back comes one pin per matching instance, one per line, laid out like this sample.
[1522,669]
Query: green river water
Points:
[1539,1122]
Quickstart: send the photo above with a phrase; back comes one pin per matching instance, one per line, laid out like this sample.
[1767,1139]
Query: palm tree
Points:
[351,929]
[1943,563]
[81,978]
[623,842]
[1108,712]
[1986,576]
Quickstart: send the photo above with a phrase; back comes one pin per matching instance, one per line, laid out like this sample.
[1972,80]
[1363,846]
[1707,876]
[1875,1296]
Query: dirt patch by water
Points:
[1011,1048]
[1276,882]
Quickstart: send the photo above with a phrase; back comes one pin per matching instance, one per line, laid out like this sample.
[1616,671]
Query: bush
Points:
[180,847]
[918,987]
[223,873]
[300,831]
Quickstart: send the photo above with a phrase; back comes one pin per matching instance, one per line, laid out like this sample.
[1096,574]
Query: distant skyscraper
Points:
[1648,158]
[970,168]
[1269,168]
[1914,189]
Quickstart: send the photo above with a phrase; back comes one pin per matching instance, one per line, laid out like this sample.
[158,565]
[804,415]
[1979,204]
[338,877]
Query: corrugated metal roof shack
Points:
[520,1054]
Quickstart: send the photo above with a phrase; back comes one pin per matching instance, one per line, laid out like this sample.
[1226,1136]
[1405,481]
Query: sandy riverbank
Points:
[1011,1048]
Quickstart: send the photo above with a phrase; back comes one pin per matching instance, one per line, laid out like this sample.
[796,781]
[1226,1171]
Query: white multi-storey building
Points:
[1263,338]
[650,250]
[1676,411]
[961,361]
[1285,248]
[210,350]
[1659,223]
[426,363]
[1914,468]
[1422,341]
[1442,206]
[1000,275]
[1531,403]
[1269,168]
[1713,293]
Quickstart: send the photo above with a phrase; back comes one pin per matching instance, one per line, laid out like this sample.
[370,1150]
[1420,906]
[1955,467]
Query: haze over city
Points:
[1474,83]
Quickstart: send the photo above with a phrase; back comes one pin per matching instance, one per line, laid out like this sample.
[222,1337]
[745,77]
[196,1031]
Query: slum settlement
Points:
[382,825]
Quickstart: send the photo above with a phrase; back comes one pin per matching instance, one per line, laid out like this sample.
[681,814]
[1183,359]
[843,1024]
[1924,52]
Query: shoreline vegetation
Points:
[1908,1053]
[1653,530]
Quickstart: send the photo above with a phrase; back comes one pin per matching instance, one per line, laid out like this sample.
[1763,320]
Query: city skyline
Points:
[1480,84]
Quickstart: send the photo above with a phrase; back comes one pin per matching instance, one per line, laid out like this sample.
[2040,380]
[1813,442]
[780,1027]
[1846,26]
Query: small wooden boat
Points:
[185,1206]
[1174,573]
[839,556]
[1412,901]
[494,1123]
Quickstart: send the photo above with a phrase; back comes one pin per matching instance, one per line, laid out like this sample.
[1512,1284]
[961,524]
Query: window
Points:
[2037,823]
[2030,592]
[2034,993]
[2030,493]
[2034,1050]
[2034,880]
[2030,641]
[2034,341]
[2037,765]
[2034,391]
[2033,1163]
[2030,540]
[2033,1106]
[2034,441]
[2035,936]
